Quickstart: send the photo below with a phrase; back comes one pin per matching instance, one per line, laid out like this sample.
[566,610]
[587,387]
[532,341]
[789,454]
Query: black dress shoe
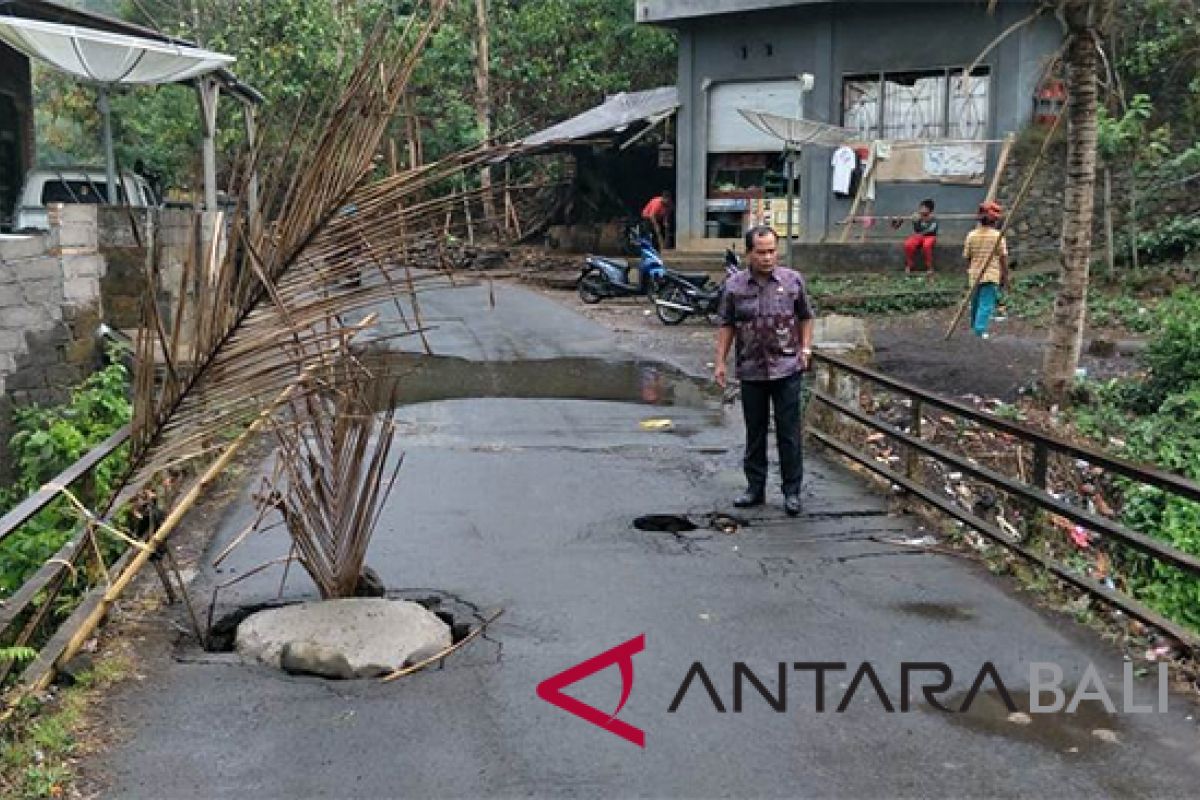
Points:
[792,505]
[748,499]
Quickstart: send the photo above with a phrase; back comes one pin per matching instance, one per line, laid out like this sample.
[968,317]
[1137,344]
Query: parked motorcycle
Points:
[683,295]
[614,277]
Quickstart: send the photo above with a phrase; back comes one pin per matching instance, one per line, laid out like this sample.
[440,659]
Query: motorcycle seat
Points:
[619,263]
[697,279]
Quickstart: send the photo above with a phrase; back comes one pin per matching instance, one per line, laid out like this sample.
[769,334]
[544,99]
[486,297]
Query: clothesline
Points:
[914,143]
[905,217]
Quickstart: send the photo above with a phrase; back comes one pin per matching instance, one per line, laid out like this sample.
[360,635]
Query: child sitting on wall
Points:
[923,238]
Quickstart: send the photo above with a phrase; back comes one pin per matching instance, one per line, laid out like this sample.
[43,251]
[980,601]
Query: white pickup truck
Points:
[46,185]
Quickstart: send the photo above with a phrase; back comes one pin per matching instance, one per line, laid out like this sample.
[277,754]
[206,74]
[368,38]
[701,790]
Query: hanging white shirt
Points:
[844,161]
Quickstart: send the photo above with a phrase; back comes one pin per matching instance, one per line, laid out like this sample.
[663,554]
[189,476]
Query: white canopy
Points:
[108,58]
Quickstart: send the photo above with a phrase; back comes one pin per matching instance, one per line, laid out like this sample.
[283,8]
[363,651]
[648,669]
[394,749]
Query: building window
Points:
[931,104]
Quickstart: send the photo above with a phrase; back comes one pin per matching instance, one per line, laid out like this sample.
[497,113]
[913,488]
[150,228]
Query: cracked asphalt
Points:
[525,502]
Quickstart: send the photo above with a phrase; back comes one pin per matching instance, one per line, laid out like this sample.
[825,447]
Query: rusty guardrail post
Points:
[1041,464]
[912,459]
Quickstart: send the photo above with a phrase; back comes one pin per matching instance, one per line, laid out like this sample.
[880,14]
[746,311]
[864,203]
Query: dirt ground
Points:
[911,347]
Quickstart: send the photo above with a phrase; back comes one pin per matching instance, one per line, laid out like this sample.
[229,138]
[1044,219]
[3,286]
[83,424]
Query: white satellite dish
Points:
[794,132]
[108,59]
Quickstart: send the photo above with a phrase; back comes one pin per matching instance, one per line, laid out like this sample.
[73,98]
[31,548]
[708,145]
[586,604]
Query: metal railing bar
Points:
[1116,599]
[1139,472]
[1146,544]
[16,605]
[31,505]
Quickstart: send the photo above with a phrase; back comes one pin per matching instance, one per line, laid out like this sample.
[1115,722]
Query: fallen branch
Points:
[420,665]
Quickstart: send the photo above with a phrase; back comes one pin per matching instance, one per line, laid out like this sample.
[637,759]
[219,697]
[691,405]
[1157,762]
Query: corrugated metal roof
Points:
[613,114]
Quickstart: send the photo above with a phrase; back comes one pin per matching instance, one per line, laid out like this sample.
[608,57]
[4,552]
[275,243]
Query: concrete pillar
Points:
[210,93]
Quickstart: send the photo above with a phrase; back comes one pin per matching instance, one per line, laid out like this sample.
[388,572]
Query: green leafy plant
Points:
[1156,420]
[17,654]
[48,440]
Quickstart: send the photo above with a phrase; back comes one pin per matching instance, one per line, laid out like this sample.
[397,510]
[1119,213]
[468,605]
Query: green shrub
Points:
[47,441]
[1173,355]
[1169,438]
[1175,239]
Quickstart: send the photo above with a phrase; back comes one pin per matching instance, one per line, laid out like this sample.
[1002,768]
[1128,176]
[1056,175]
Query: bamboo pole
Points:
[1001,164]
[858,196]
[92,621]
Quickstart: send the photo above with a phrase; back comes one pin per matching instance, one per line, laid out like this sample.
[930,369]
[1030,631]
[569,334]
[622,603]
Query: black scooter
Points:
[685,295]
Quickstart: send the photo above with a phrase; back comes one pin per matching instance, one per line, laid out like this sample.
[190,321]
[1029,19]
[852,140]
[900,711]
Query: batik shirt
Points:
[764,313]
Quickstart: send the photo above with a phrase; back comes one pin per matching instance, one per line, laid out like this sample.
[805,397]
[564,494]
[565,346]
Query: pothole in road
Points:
[939,612]
[679,523]
[406,378]
[423,623]
[1090,729]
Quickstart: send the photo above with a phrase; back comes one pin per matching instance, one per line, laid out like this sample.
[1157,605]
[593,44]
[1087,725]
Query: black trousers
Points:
[758,397]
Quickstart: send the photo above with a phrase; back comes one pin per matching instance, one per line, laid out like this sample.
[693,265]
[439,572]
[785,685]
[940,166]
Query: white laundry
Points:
[844,161]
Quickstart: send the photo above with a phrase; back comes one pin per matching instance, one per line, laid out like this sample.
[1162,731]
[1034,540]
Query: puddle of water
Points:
[939,612]
[418,378]
[1059,731]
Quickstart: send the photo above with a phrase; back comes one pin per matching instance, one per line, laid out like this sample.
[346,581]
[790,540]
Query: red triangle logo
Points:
[622,655]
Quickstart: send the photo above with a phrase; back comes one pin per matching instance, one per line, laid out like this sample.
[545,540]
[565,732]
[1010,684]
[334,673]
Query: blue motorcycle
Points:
[614,277]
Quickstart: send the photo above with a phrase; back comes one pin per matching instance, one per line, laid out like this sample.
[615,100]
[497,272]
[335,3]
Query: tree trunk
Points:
[483,102]
[1070,306]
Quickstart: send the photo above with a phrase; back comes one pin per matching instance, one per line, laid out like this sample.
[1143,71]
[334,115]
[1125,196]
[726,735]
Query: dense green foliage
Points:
[1150,131]
[1156,48]
[47,441]
[550,59]
[1157,421]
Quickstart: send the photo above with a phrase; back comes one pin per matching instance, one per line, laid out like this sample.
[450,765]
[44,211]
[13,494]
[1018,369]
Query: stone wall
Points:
[1038,227]
[50,307]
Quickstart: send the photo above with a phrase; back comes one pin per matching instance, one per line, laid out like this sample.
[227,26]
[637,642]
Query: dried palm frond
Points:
[263,313]
[334,456]
[249,320]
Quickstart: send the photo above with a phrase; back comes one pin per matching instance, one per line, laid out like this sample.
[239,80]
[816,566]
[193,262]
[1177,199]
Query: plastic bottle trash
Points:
[656,424]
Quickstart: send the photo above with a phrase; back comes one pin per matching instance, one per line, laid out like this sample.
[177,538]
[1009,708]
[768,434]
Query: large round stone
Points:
[353,638]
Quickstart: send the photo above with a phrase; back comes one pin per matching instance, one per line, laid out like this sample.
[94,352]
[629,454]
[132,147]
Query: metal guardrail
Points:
[43,587]
[1033,491]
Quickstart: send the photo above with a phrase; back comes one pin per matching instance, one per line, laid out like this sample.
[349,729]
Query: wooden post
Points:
[1110,255]
[1001,165]
[912,456]
[858,196]
[467,214]
[483,103]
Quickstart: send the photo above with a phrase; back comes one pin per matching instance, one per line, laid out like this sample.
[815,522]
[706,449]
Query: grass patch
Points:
[42,739]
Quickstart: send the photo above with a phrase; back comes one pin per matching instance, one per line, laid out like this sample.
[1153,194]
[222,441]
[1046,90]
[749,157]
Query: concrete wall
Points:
[831,41]
[50,306]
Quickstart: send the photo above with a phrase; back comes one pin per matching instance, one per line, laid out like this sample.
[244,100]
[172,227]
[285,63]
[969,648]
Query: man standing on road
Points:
[765,309]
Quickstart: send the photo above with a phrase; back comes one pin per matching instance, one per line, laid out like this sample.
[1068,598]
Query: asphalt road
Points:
[520,493]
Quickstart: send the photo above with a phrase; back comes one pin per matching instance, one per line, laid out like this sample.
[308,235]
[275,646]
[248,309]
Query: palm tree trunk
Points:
[1066,332]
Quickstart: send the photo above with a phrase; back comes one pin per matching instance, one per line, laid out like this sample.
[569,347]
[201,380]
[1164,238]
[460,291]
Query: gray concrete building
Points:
[891,70]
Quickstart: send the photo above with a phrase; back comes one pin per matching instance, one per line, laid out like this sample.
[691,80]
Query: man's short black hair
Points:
[757,231]
[928,203]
